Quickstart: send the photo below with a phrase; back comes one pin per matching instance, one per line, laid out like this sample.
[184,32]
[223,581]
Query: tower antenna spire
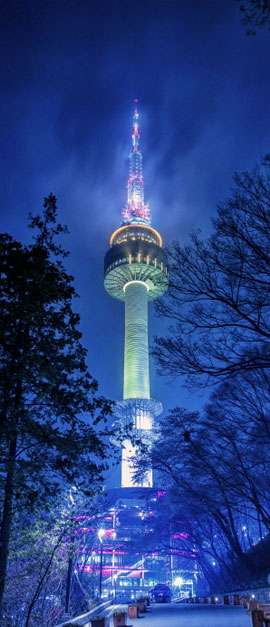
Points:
[135,269]
[135,126]
[136,210]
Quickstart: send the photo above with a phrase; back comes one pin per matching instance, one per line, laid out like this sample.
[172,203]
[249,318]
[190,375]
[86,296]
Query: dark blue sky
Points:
[69,72]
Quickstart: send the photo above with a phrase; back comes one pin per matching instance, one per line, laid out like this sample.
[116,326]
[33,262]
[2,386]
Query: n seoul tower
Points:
[136,273]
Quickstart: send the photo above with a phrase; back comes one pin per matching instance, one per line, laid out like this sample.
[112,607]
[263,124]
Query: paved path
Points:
[179,615]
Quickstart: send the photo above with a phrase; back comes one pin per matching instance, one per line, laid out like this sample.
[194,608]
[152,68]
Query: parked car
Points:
[161,593]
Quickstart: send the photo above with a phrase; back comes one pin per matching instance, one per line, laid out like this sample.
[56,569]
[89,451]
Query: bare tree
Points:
[218,303]
[214,467]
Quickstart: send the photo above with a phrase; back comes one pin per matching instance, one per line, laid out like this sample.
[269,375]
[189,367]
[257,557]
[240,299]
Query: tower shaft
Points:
[136,272]
[136,361]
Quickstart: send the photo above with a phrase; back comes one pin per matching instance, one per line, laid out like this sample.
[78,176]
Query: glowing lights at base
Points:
[178,581]
[183,587]
[101,533]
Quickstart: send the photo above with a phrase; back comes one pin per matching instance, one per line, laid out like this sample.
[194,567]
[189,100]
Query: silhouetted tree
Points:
[238,417]
[217,478]
[48,400]
[218,303]
[255,14]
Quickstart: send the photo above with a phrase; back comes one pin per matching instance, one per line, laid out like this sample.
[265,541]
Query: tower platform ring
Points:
[137,230]
[135,261]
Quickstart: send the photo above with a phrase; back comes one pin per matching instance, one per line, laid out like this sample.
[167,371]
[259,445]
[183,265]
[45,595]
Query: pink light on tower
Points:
[136,210]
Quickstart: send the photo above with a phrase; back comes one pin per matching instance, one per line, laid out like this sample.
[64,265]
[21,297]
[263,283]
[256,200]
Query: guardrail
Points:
[108,614]
[237,597]
[102,615]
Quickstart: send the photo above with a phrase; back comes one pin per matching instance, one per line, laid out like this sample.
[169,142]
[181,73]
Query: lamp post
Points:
[101,534]
[178,582]
[114,585]
[71,549]
[69,574]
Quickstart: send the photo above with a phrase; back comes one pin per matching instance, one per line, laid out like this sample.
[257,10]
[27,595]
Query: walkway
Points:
[175,615]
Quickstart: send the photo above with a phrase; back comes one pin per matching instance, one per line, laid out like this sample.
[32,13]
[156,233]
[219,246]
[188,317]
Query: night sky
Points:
[69,73]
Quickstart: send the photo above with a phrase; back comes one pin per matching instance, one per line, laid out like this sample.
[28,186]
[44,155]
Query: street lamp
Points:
[178,582]
[114,585]
[71,548]
[101,534]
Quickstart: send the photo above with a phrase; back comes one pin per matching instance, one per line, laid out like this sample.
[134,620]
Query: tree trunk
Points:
[6,522]
[7,516]
[42,580]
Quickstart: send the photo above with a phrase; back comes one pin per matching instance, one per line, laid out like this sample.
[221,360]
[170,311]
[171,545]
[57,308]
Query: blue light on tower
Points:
[136,272]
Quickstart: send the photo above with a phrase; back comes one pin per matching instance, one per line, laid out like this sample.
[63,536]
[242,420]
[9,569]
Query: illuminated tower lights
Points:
[136,210]
[136,273]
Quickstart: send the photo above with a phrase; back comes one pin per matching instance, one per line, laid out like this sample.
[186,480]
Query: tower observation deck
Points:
[136,272]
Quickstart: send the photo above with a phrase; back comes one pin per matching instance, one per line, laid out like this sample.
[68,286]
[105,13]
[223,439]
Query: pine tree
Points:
[48,400]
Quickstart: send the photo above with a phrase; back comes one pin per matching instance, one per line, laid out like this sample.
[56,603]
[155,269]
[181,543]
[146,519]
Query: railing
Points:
[108,614]
[104,610]
[236,597]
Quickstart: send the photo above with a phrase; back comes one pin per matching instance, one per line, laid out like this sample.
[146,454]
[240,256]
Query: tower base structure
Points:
[141,547]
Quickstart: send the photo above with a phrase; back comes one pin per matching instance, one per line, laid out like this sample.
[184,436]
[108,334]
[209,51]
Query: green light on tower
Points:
[136,361]
[136,272]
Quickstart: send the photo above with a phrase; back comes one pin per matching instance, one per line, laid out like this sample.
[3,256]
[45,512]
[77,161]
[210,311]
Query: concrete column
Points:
[136,360]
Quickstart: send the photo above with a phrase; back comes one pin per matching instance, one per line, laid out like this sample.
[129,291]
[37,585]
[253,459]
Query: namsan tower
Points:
[136,273]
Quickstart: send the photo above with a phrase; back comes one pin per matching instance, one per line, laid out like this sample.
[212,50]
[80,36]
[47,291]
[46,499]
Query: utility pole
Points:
[101,533]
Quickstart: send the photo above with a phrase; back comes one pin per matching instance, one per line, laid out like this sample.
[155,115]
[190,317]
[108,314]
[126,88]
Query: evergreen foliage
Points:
[52,431]
[255,14]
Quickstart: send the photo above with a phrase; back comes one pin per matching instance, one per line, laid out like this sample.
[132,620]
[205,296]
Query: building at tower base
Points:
[140,547]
